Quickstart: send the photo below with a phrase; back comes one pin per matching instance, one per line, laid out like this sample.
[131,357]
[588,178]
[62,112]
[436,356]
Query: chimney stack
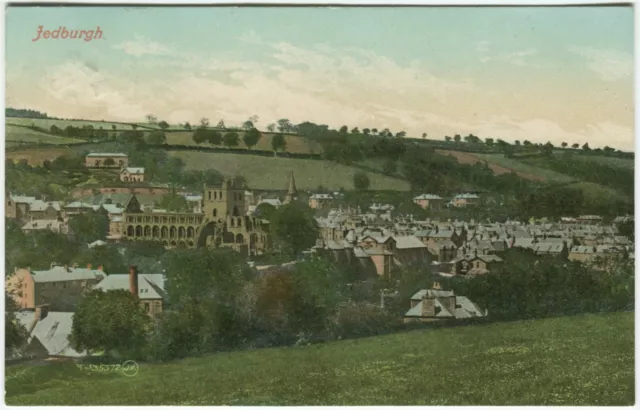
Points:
[100,268]
[89,266]
[133,280]
[428,306]
[41,312]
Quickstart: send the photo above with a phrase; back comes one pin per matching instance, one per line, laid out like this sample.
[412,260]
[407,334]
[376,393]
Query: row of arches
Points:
[156,231]
[179,244]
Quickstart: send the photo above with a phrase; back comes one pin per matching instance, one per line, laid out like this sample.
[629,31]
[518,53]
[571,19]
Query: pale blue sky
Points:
[497,70]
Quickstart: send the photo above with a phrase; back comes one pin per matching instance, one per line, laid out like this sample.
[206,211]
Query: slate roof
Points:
[408,242]
[274,202]
[321,196]
[427,196]
[548,247]
[150,285]
[53,332]
[59,274]
[22,199]
[431,293]
[107,154]
[42,224]
[39,205]
[466,310]
[466,196]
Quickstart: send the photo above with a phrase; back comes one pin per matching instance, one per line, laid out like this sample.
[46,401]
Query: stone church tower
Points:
[226,199]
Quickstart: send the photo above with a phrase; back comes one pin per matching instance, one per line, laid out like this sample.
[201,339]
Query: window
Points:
[215,195]
[215,212]
[146,307]
[209,194]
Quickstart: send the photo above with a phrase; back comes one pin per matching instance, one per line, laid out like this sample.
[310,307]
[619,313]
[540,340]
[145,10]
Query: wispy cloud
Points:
[610,65]
[324,84]
[141,46]
[518,58]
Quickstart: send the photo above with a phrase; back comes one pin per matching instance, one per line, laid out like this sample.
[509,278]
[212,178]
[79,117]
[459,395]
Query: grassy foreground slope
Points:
[583,360]
[273,172]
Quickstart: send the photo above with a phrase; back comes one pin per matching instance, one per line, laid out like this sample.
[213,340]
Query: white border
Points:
[347,3]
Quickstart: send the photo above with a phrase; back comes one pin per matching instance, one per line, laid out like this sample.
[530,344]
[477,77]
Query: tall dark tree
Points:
[156,138]
[361,181]
[294,228]
[231,139]
[109,321]
[278,143]
[90,226]
[251,137]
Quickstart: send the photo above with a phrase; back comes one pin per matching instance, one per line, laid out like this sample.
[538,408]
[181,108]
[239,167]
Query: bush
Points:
[361,319]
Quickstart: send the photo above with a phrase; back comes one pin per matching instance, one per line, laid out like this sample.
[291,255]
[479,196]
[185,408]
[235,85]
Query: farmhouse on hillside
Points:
[116,160]
[132,174]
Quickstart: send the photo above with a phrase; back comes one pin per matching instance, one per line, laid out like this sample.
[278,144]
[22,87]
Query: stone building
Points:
[320,201]
[59,287]
[431,305]
[132,174]
[116,160]
[148,287]
[429,201]
[223,222]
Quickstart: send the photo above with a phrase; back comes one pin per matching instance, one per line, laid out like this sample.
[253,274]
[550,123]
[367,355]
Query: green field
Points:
[46,123]
[295,144]
[519,166]
[582,360]
[273,172]
[596,193]
[611,161]
[17,134]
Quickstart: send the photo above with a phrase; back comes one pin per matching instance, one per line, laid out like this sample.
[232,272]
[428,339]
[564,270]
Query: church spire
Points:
[292,192]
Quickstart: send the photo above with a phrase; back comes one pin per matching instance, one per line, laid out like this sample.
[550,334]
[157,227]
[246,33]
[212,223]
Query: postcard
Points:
[322,206]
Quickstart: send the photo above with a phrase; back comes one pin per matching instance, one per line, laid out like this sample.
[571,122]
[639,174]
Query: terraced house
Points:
[223,222]
[60,287]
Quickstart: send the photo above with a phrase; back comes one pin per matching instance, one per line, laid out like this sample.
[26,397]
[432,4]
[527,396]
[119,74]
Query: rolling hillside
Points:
[36,156]
[581,360]
[295,144]
[46,123]
[17,134]
[272,172]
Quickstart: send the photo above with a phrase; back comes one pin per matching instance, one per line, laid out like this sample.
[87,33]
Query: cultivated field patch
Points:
[21,135]
[273,172]
[36,156]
